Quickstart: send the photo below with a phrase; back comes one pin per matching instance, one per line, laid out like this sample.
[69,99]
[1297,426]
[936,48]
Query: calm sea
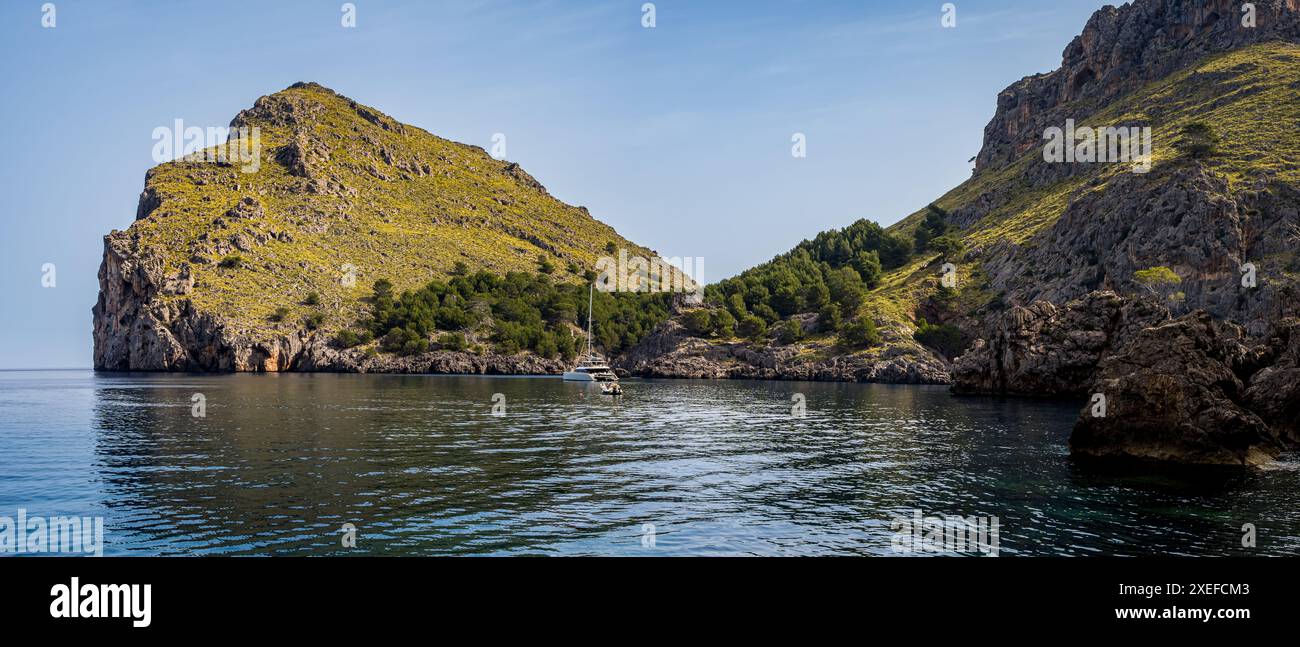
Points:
[420,465]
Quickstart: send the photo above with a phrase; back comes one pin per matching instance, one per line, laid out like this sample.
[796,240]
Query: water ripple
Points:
[420,466]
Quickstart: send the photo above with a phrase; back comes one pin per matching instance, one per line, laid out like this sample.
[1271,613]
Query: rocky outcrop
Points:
[1048,350]
[1274,391]
[1177,392]
[130,327]
[1120,49]
[143,321]
[1198,389]
[669,352]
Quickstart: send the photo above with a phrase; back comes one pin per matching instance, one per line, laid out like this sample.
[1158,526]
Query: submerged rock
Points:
[1175,393]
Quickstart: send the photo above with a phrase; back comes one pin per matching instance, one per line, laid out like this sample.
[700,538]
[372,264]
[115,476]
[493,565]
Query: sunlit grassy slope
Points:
[390,200]
[1250,96]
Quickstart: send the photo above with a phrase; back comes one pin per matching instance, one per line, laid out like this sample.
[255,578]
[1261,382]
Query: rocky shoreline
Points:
[145,322]
[1195,390]
[1190,390]
[670,352]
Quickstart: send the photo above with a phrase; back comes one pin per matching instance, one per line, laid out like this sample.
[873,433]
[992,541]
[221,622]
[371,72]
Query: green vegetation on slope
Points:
[829,275]
[345,195]
[515,312]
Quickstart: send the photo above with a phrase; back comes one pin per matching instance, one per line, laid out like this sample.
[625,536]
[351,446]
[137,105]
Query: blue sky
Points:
[678,136]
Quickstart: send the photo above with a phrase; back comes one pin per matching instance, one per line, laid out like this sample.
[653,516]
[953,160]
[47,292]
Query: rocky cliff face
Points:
[143,321]
[227,269]
[1274,391]
[1047,350]
[1181,217]
[1119,50]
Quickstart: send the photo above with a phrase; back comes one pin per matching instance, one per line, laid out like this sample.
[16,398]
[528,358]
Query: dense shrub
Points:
[350,339]
[947,339]
[521,312]
[705,322]
[402,341]
[1198,140]
[752,327]
[724,324]
[935,225]
[895,251]
[830,318]
[698,322]
[861,333]
[867,265]
[790,331]
[313,320]
[948,246]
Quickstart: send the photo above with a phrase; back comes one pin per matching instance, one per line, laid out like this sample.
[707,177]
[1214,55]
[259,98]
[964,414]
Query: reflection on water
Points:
[421,466]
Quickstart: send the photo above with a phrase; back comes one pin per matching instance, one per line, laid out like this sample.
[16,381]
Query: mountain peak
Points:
[222,257]
[1120,50]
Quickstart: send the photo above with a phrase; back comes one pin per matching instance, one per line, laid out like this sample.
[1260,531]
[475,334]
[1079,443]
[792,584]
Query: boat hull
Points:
[582,376]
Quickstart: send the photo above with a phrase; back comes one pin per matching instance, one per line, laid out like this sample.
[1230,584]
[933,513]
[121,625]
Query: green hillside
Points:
[345,196]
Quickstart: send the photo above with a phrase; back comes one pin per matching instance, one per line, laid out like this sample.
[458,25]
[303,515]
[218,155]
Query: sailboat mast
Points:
[590,290]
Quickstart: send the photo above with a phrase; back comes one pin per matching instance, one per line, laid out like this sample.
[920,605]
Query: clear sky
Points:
[679,136]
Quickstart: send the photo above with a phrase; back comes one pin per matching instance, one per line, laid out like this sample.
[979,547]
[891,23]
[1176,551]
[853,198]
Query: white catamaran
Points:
[591,368]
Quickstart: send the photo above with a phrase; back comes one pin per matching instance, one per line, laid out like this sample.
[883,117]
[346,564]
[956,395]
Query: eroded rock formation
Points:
[1048,350]
[1120,49]
[1177,392]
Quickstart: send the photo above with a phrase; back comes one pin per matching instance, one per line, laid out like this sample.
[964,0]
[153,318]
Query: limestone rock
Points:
[1274,391]
[1046,350]
[1183,218]
[1174,394]
[1120,49]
